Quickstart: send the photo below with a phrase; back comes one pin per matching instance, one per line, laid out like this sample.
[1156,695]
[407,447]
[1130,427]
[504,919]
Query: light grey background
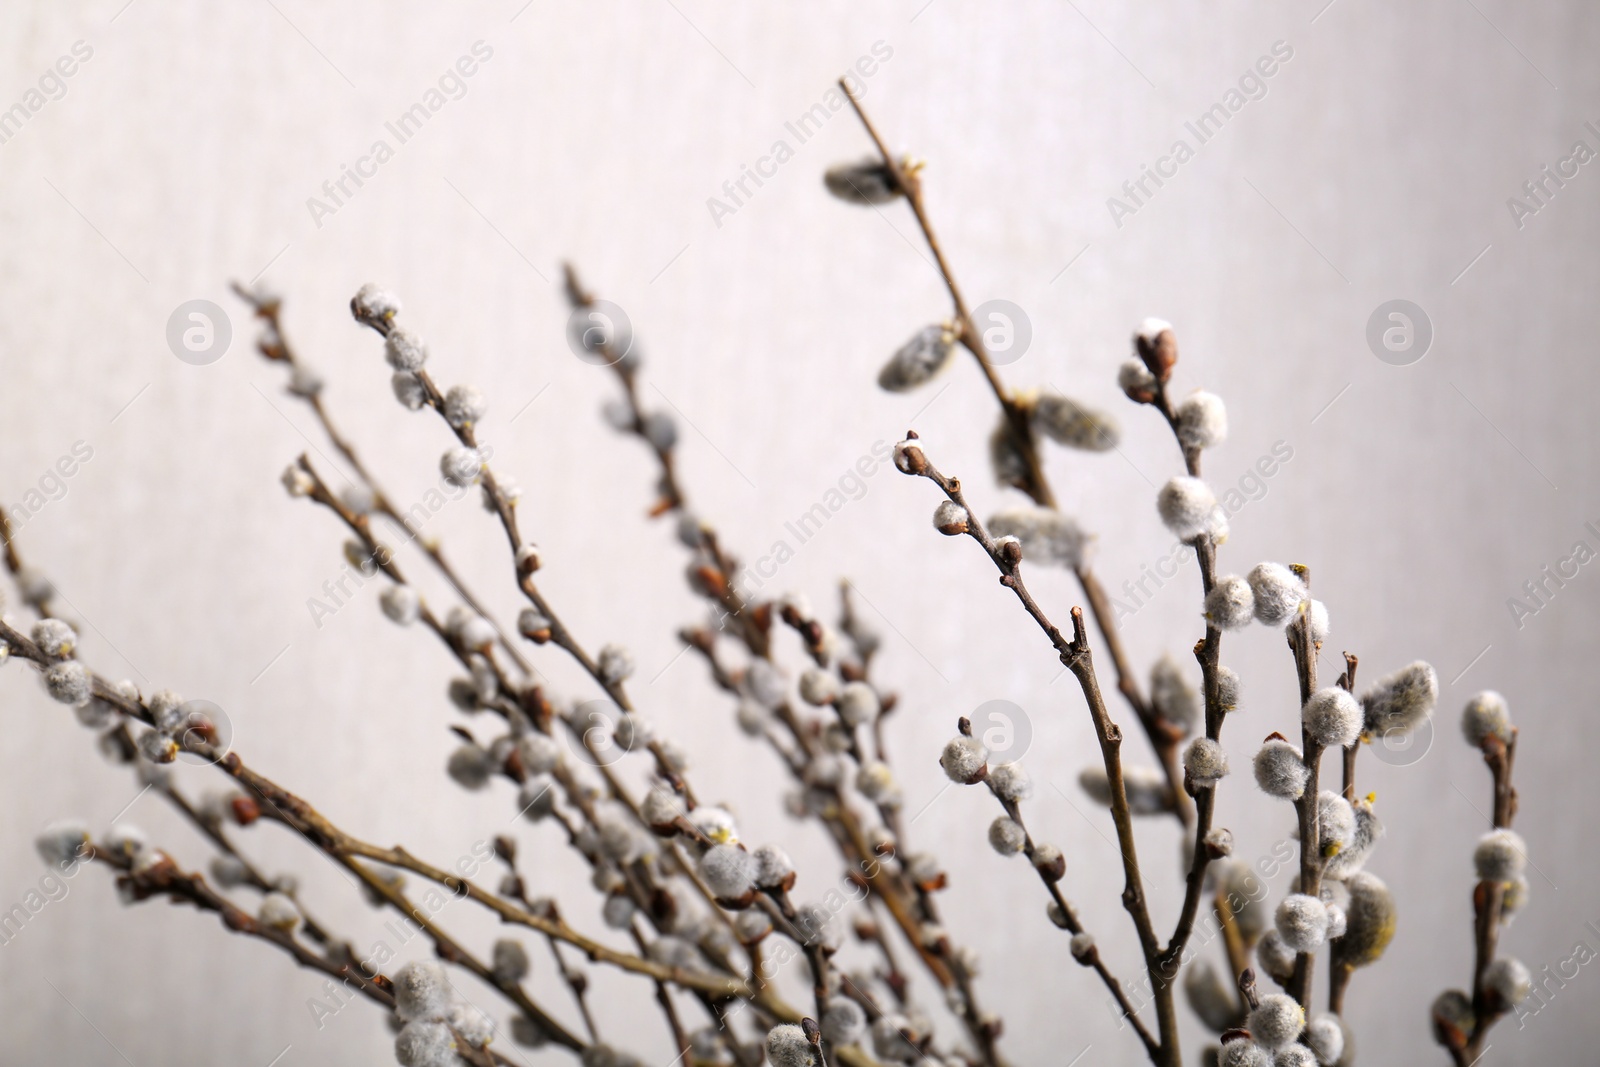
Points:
[1377,166]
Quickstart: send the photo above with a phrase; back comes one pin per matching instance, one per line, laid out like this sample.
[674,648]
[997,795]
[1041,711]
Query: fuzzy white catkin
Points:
[404,349]
[464,405]
[858,704]
[536,799]
[1173,698]
[401,604]
[818,687]
[157,747]
[540,753]
[470,766]
[660,429]
[1280,772]
[1336,823]
[68,682]
[662,807]
[1205,762]
[1332,717]
[875,780]
[1075,425]
[844,1022]
[55,638]
[1277,591]
[1227,689]
[1209,996]
[1010,781]
[278,911]
[1230,605]
[728,871]
[1006,836]
[1399,702]
[1274,955]
[616,664]
[918,360]
[461,466]
[618,911]
[1294,1056]
[373,301]
[787,1046]
[1146,788]
[425,1044]
[61,843]
[421,991]
[1242,1052]
[950,518]
[1202,420]
[408,390]
[864,183]
[471,1023]
[1187,506]
[716,823]
[1486,715]
[1500,856]
[1325,1037]
[1302,922]
[1338,921]
[1354,855]
[964,760]
[1135,379]
[1509,980]
[1047,536]
[1277,1020]
[773,867]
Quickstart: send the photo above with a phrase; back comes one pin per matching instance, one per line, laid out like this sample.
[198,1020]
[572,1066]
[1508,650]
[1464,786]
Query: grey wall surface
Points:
[1375,164]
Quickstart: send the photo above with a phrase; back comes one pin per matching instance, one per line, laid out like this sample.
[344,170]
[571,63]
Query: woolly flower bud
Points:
[470,766]
[401,604]
[1049,862]
[950,518]
[1209,996]
[1230,605]
[1486,715]
[1278,592]
[1006,460]
[774,868]
[1205,762]
[1275,957]
[817,686]
[297,481]
[1399,702]
[1515,896]
[715,823]
[919,359]
[964,760]
[1188,507]
[1302,922]
[1157,346]
[1277,1021]
[1338,921]
[279,912]
[374,302]
[1280,772]
[1227,689]
[1332,717]
[404,349]
[464,405]
[408,390]
[510,961]
[858,704]
[1325,1037]
[1202,420]
[1351,858]
[421,991]
[1010,781]
[533,625]
[1508,980]
[1500,856]
[908,457]
[875,781]
[1336,823]
[1453,1017]
[787,1045]
[539,753]
[536,799]
[157,747]
[1067,422]
[1369,921]
[1047,536]
[68,682]
[425,1044]
[1294,1056]
[61,844]
[1006,836]
[661,808]
[55,638]
[1241,1052]
[660,429]
[471,1023]
[728,871]
[1146,788]
[461,466]
[1219,842]
[844,1022]
[866,182]
[1136,381]
[1173,698]
[616,664]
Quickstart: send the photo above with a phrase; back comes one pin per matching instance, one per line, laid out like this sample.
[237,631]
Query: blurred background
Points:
[1394,154]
